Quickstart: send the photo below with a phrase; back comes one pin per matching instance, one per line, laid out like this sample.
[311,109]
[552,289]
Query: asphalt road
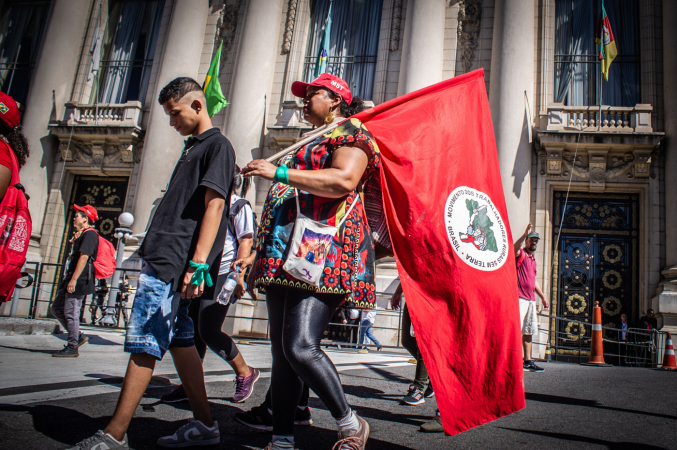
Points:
[568,406]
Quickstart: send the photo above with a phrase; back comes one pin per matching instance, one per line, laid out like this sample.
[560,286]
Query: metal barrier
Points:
[570,339]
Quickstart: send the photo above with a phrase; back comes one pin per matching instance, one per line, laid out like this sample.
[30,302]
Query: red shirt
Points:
[9,160]
[526,275]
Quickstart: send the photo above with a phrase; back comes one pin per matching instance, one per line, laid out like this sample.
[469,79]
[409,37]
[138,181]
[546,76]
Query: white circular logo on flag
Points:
[475,229]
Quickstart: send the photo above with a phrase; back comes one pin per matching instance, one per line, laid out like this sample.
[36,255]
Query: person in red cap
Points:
[14,149]
[78,280]
[321,182]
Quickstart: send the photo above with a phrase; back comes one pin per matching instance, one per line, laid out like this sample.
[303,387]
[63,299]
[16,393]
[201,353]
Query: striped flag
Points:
[321,64]
[607,43]
[212,86]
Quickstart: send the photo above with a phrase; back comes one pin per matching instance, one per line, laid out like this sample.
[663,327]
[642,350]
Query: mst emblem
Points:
[475,229]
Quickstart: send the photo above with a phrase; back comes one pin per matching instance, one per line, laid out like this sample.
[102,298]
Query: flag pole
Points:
[601,46]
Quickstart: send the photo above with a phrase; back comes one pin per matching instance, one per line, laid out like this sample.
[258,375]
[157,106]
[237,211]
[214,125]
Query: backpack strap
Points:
[235,209]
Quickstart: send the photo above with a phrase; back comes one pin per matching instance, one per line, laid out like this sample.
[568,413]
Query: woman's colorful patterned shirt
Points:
[349,267]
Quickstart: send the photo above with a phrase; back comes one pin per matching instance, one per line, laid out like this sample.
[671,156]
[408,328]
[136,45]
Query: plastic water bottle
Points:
[228,287]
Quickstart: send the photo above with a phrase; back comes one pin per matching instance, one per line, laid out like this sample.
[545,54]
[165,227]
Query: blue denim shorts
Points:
[159,319]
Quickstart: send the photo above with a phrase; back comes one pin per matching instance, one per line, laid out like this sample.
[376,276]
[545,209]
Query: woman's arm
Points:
[348,165]
[5,179]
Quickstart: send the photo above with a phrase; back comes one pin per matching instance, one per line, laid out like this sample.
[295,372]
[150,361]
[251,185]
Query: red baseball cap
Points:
[9,112]
[89,210]
[327,81]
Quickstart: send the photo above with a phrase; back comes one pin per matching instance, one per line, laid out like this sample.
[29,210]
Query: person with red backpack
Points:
[79,279]
[15,219]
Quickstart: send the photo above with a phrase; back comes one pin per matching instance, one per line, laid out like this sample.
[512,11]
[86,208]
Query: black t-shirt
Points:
[208,162]
[87,243]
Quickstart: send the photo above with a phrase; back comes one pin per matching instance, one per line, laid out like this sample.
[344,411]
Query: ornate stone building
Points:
[99,136]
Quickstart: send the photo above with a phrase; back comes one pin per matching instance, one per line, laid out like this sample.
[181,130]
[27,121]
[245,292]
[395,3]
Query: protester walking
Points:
[180,261]
[422,387]
[208,315]
[15,217]
[78,280]
[329,259]
[527,285]
[368,320]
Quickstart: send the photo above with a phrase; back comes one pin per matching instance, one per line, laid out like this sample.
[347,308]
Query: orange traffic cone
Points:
[669,357]
[596,348]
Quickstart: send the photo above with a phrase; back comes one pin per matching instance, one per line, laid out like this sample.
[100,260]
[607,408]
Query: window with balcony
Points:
[353,44]
[22,25]
[129,43]
[577,68]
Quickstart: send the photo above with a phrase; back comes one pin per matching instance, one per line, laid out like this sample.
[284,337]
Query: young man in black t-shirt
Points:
[179,253]
[78,280]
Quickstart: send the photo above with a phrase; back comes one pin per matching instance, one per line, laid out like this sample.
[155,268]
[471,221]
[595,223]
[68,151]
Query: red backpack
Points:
[15,234]
[105,262]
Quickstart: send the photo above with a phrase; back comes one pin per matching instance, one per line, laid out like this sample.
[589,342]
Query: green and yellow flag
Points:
[607,43]
[212,86]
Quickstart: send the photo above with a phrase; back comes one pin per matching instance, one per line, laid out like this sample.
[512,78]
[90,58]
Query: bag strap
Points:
[298,208]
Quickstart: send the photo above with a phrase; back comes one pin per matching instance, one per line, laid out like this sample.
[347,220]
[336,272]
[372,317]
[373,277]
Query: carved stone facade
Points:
[469,17]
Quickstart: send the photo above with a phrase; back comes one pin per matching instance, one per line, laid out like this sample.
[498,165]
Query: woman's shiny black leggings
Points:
[297,321]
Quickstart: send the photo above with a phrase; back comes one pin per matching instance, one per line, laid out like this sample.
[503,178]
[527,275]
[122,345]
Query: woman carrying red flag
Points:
[327,174]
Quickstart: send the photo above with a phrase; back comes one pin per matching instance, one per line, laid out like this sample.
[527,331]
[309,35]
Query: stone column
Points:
[252,81]
[181,54]
[666,305]
[55,71]
[512,73]
[423,45]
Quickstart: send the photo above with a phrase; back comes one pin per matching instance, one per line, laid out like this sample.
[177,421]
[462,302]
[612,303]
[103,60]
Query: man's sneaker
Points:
[244,386]
[530,366]
[429,392]
[351,439]
[258,418]
[101,441]
[82,339]
[66,352]
[434,425]
[303,416]
[414,396]
[177,395]
[192,434]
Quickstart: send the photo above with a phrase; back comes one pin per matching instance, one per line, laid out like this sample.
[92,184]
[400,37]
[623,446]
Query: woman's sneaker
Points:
[244,386]
[353,439]
[414,396]
[66,352]
[530,366]
[101,440]
[177,395]
[192,434]
[429,393]
[303,416]
[258,418]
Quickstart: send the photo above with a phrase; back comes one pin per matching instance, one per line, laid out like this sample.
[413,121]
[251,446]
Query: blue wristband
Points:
[282,174]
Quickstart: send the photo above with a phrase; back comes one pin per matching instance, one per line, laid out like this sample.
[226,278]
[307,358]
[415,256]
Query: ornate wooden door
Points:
[596,261]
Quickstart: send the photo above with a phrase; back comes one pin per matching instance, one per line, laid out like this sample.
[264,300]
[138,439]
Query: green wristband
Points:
[201,274]
[282,175]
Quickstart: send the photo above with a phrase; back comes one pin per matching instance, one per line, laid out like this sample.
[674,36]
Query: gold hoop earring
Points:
[329,118]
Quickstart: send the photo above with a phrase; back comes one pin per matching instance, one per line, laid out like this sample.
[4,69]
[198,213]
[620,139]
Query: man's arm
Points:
[79,267]
[214,205]
[520,241]
[396,298]
[539,292]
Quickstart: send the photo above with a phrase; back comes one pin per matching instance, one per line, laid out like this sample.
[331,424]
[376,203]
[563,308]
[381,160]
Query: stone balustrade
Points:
[614,119]
[105,114]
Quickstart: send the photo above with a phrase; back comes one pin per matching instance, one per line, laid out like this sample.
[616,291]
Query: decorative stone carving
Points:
[597,166]
[642,167]
[66,152]
[395,24]
[541,161]
[469,17]
[554,161]
[97,156]
[226,26]
[289,26]
[126,152]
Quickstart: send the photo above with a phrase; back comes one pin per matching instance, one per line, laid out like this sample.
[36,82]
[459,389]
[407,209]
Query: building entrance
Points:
[596,261]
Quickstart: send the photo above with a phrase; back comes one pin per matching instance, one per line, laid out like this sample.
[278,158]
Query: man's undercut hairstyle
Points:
[178,88]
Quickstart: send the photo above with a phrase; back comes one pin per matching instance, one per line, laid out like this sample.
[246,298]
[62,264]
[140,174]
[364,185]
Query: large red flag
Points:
[448,224]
